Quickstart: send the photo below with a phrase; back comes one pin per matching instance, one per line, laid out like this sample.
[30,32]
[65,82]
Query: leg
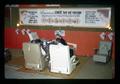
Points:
[71,52]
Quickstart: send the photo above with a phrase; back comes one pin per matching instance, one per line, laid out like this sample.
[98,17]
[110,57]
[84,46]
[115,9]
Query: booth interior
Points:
[69,43]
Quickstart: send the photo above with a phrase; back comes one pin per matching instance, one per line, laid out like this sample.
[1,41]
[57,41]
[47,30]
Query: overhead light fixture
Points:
[18,24]
[109,27]
[12,5]
[52,5]
[7,5]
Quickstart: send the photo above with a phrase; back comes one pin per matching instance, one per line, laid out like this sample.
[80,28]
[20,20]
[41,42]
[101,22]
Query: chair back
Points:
[33,36]
[104,47]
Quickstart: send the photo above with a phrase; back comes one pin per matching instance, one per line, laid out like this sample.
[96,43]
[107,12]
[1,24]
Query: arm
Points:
[72,44]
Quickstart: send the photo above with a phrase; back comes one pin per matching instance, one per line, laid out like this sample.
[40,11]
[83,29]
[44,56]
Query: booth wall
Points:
[86,40]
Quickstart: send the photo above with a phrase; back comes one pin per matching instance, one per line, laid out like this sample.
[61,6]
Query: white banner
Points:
[76,17]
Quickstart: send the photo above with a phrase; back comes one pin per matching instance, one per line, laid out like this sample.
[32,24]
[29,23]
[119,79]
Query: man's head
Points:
[58,36]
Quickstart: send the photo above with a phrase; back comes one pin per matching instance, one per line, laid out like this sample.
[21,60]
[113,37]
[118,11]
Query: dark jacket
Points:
[61,40]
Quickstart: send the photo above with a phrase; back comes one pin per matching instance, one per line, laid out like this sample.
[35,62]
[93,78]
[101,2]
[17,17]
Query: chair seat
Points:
[103,54]
[100,58]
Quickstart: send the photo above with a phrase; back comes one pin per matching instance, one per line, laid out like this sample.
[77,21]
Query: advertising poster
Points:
[75,17]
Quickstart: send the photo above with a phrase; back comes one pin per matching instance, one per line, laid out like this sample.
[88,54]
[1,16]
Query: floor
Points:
[11,73]
[90,70]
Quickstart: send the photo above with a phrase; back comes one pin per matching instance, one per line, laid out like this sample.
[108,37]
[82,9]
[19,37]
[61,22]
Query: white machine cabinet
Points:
[60,61]
[33,57]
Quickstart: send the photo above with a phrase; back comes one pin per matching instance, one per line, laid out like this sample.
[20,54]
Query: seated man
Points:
[59,39]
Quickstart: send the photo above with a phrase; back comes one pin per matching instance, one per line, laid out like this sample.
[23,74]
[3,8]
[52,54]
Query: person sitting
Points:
[59,39]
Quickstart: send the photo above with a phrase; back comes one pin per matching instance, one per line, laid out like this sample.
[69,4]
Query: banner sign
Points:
[75,17]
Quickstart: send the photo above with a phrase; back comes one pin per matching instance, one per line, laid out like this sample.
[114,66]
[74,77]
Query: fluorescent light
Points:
[52,5]
[7,5]
[11,5]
